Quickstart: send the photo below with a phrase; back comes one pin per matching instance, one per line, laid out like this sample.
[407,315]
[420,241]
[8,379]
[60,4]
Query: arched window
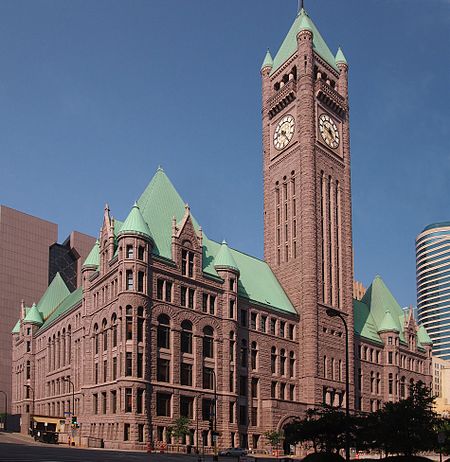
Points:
[186,337]
[232,343]
[244,354]
[291,364]
[96,339]
[69,344]
[28,371]
[273,360]
[163,331]
[104,335]
[282,362]
[391,384]
[254,355]
[208,342]
[114,329]
[63,348]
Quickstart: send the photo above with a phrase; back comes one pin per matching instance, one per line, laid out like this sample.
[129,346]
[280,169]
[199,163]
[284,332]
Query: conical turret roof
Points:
[289,45]
[340,58]
[388,324]
[268,60]
[135,223]
[224,259]
[16,328]
[423,336]
[93,259]
[34,316]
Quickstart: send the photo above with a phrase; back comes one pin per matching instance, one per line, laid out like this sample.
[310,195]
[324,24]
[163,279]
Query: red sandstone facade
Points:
[152,337]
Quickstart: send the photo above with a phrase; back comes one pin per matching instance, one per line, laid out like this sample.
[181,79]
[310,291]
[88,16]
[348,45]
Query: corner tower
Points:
[307,198]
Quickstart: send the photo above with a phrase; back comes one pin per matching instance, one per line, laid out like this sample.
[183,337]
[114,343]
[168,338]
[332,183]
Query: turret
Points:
[342,65]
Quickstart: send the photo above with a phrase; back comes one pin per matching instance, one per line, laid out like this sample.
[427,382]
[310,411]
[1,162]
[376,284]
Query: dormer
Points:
[187,246]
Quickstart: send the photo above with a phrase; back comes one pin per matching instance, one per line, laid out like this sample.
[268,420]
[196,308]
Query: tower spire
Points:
[301,5]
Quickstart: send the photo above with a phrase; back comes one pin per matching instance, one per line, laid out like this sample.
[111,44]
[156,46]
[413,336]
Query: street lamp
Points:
[6,409]
[332,313]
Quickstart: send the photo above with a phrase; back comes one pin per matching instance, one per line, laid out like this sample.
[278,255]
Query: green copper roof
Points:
[268,60]
[224,259]
[423,336]
[340,58]
[93,259]
[33,316]
[289,45]
[65,305]
[135,223]
[388,324]
[55,293]
[16,328]
[364,323]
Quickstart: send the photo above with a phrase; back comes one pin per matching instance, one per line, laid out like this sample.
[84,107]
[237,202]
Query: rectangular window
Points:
[205,303]
[291,392]
[243,384]
[190,264]
[113,401]
[140,281]
[207,408]
[191,298]
[163,370]
[140,433]
[95,403]
[273,390]
[140,400]
[243,418]
[129,277]
[186,374]
[104,402]
[163,404]
[231,382]
[212,304]
[141,252]
[169,291]
[282,328]
[126,431]
[282,390]
[184,262]
[128,363]
[291,331]
[255,416]
[129,327]
[128,399]
[232,282]
[244,318]
[96,373]
[262,323]
[187,407]
[114,368]
[231,412]
[231,309]
[273,326]
[105,370]
[390,357]
[253,320]
[183,296]
[140,329]
[255,387]
[140,365]
[159,289]
[208,378]
[129,251]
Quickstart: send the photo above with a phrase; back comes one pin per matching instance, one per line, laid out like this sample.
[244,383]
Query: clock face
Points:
[284,132]
[329,131]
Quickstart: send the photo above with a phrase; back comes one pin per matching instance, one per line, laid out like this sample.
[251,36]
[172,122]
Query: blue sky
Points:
[94,95]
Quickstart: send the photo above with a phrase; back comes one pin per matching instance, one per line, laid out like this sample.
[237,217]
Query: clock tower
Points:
[307,201]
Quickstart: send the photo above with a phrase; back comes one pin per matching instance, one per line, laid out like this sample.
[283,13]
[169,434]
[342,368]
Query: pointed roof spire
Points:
[268,60]
[305,22]
[388,324]
[135,223]
[224,259]
[93,259]
[56,292]
[16,328]
[340,58]
[34,316]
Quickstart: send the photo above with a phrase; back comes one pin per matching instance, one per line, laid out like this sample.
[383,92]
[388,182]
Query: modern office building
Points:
[433,285]
[169,322]
[29,256]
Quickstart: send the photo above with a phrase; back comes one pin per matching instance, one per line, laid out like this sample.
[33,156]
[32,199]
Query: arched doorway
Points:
[286,427]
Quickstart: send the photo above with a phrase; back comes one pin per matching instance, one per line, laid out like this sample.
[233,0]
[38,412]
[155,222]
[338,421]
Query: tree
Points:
[180,429]
[405,427]
[274,437]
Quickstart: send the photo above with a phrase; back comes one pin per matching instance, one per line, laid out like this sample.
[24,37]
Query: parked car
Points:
[236,452]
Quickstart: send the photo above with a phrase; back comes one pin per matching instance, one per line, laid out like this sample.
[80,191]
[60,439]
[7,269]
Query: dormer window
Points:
[187,263]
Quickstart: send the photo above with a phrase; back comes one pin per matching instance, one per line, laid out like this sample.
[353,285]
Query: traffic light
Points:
[74,420]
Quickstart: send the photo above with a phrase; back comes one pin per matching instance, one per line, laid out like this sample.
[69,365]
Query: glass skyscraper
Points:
[433,285]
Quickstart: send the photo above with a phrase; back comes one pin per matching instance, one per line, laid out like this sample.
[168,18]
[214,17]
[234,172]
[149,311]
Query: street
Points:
[19,448]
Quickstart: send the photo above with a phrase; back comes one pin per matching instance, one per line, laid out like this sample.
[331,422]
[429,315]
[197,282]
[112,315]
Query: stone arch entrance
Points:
[283,426]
